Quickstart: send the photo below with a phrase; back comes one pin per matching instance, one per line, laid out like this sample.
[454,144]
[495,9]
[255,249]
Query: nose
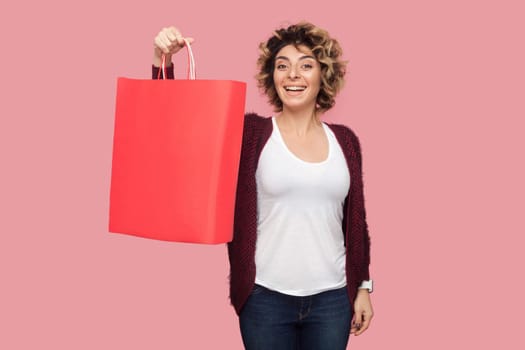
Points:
[294,72]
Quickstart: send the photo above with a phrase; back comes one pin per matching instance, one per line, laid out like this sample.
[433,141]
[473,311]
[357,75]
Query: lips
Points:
[295,88]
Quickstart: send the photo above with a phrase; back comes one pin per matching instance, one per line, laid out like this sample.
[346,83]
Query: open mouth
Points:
[295,88]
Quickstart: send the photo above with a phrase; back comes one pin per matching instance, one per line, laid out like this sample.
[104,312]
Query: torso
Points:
[300,208]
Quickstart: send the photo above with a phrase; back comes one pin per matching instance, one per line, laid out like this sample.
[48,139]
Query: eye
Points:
[281,66]
[307,66]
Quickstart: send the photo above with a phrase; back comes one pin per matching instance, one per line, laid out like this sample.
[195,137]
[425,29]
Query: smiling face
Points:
[297,77]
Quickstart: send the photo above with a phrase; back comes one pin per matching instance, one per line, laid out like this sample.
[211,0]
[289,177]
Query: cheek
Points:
[318,78]
[277,77]
[319,82]
[316,81]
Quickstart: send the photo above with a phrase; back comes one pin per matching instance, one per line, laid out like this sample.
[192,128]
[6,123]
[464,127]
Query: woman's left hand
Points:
[363,312]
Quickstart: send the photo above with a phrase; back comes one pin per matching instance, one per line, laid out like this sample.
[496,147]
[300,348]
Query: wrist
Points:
[367,285]
[157,58]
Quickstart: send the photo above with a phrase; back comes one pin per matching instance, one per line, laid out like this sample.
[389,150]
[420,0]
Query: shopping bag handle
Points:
[191,63]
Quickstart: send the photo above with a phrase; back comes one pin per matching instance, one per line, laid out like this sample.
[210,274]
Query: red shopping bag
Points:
[176,154]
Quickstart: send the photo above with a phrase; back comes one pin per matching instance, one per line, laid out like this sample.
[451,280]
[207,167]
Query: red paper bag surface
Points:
[176,156]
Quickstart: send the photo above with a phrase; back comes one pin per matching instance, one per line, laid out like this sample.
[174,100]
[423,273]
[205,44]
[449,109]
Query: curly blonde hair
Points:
[326,50]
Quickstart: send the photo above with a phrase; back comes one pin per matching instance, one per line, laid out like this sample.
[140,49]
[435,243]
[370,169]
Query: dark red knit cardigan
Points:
[241,251]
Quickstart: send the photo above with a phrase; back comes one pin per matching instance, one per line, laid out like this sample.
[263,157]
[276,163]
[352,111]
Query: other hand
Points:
[363,312]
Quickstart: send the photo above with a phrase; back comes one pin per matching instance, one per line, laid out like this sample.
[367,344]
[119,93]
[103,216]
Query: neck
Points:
[299,122]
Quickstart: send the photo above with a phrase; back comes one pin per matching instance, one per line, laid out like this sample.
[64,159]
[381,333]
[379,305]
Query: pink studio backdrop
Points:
[435,92]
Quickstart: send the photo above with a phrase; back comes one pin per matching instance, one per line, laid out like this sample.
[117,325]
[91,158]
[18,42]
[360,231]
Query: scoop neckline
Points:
[281,139]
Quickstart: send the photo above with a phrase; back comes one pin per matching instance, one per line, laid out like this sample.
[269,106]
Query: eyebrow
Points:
[301,58]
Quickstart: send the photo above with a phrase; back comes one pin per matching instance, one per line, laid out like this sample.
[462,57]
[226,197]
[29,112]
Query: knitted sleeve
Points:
[241,250]
[156,70]
[359,241]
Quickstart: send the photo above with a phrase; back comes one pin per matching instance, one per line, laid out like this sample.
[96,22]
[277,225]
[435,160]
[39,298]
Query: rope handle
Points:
[191,63]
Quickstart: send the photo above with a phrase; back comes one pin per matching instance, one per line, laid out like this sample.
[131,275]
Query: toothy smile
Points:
[294,88]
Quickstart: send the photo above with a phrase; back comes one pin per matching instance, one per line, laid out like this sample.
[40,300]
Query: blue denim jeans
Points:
[274,321]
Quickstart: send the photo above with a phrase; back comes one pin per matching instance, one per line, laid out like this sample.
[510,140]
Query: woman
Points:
[300,253]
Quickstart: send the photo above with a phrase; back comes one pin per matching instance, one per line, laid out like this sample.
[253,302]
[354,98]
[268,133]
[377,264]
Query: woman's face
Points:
[297,77]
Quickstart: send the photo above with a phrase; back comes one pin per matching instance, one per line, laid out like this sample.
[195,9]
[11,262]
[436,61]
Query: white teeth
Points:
[294,88]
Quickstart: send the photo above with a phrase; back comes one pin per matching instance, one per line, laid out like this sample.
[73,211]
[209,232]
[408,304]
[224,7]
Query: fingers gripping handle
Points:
[191,62]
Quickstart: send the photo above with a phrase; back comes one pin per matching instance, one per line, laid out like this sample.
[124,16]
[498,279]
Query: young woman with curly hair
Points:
[300,254]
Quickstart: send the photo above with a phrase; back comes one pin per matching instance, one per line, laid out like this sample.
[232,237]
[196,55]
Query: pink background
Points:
[435,92]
